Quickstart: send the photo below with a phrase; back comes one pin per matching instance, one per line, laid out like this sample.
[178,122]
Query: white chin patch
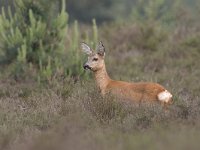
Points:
[165,96]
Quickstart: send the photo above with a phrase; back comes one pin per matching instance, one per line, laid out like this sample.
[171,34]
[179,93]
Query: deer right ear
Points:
[86,49]
[101,49]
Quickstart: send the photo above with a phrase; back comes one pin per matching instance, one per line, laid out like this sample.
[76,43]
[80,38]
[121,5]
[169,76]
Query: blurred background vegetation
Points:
[41,35]
[111,10]
[47,100]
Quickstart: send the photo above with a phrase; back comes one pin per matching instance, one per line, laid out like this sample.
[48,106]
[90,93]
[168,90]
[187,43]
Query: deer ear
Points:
[86,49]
[101,49]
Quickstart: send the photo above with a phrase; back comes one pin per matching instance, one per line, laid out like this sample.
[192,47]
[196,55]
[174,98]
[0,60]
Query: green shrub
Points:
[29,36]
[34,38]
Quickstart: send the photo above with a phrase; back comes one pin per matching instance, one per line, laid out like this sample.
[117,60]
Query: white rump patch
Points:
[165,96]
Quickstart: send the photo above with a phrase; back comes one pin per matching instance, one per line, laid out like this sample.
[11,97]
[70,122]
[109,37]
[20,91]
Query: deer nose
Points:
[85,66]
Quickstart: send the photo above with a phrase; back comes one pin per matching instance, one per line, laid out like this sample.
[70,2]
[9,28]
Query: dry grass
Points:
[35,117]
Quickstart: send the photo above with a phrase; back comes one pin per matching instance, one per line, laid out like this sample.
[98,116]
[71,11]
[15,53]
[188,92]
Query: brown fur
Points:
[137,92]
[142,91]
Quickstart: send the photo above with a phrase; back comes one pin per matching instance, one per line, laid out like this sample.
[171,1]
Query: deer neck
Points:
[102,79]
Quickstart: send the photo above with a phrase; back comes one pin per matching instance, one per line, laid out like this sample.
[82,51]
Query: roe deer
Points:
[141,91]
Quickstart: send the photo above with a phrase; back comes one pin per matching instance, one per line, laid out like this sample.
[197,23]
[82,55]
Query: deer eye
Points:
[95,59]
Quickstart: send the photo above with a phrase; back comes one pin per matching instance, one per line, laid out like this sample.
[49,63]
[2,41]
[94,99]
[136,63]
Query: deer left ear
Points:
[86,49]
[101,49]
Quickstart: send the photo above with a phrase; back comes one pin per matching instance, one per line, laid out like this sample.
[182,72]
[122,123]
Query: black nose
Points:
[86,67]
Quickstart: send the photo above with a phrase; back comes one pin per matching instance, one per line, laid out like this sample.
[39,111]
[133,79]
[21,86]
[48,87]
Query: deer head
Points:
[95,60]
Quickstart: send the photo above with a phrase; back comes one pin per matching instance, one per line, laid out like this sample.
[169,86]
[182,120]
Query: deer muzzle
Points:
[86,67]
